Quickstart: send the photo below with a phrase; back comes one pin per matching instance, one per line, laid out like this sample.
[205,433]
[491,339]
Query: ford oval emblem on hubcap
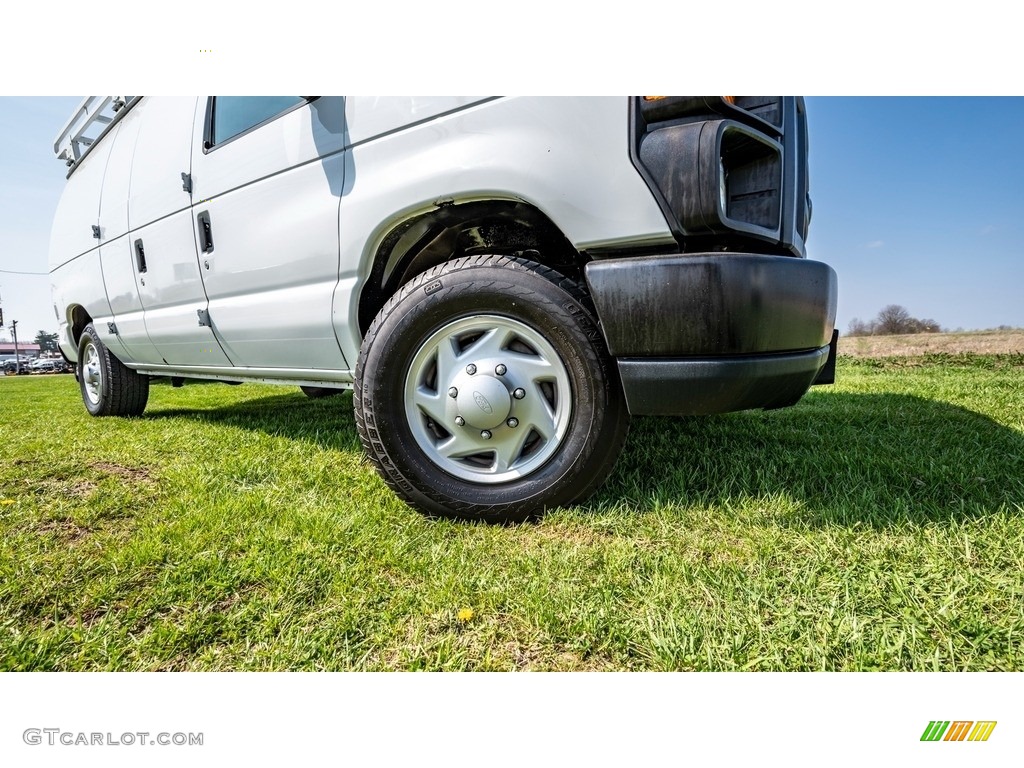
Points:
[481,403]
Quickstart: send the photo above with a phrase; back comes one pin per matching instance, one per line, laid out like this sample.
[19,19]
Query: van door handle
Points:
[205,232]
[140,256]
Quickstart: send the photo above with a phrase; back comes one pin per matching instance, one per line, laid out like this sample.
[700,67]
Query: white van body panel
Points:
[117,176]
[76,273]
[79,283]
[272,196]
[125,305]
[79,209]
[116,249]
[171,290]
[378,115]
[163,151]
[566,156]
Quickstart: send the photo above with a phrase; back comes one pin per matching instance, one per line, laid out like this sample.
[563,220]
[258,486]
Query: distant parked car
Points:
[46,365]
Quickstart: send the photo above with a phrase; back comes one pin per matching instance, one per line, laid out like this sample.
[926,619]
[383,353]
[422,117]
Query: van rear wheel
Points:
[109,388]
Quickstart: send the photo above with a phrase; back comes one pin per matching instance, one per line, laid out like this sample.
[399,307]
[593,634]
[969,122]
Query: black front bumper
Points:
[712,333]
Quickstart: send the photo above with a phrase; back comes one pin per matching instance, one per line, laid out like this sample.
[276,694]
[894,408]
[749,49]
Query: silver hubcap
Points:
[488,399]
[91,374]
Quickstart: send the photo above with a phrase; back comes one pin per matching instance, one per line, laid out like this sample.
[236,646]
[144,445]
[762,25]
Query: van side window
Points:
[231,116]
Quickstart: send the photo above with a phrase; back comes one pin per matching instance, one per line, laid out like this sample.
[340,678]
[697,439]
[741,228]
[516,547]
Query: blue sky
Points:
[917,201]
[920,202]
[30,185]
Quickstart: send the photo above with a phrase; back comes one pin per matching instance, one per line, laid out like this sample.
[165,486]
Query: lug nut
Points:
[460,421]
[513,422]
[453,392]
[519,393]
[485,434]
[470,369]
[500,370]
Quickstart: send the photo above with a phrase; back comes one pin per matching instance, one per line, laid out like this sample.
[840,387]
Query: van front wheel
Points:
[484,392]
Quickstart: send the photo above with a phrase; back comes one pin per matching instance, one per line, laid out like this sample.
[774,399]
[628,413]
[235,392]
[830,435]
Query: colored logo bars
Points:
[958,730]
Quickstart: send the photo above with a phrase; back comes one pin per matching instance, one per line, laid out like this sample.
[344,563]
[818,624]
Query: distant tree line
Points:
[892,320]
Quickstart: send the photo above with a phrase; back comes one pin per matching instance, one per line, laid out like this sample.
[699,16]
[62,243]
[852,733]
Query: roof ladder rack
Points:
[95,114]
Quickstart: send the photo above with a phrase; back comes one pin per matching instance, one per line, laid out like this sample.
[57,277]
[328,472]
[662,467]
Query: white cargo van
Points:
[501,281]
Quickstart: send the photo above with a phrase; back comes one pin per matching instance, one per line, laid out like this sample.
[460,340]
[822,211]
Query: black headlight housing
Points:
[726,170]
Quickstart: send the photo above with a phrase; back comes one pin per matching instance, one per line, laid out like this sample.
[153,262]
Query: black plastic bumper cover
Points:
[660,387]
[712,333]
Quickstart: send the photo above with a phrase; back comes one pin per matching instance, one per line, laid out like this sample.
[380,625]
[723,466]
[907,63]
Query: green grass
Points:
[879,524]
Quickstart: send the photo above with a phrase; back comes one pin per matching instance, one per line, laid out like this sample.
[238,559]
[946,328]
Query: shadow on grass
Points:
[870,459]
[328,422]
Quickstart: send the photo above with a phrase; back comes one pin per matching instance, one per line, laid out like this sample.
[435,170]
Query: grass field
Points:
[879,524]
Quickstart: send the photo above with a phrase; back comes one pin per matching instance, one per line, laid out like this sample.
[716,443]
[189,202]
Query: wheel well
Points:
[79,319]
[482,227]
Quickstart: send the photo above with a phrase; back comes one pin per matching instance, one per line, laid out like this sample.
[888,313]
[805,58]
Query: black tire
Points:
[108,387]
[315,393]
[513,293]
